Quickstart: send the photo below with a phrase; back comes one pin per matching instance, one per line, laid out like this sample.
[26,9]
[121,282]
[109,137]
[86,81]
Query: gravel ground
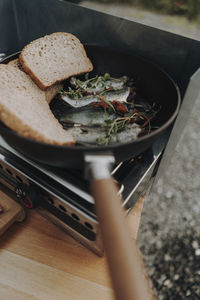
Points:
[170,229]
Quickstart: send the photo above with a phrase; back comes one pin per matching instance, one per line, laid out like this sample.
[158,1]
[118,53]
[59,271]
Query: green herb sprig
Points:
[113,127]
[87,86]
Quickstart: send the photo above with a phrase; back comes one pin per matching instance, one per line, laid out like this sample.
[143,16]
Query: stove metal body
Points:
[63,195]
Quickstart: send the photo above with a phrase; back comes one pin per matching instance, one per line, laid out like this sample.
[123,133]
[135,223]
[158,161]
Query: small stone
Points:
[188,293]
[197,252]
[187,270]
[167,257]
[195,245]
[162,278]
[176,277]
[168,283]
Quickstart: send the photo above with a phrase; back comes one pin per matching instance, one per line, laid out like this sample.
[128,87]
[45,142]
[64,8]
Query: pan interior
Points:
[153,87]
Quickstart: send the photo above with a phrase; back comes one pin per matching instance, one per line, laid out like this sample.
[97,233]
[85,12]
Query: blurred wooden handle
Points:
[10,211]
[129,276]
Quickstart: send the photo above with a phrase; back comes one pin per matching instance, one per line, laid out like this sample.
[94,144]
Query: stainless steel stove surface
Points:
[63,195]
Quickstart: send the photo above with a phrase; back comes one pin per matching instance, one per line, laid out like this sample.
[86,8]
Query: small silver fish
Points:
[119,95]
[87,116]
[97,85]
[92,135]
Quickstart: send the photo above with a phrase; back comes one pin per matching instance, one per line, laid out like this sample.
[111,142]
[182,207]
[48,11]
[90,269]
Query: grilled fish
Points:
[119,95]
[99,84]
[97,135]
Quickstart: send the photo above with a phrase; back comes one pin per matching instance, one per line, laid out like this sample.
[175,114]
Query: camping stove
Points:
[63,196]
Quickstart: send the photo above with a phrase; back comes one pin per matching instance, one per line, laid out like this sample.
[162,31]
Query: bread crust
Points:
[34,76]
[15,123]
[23,109]
[15,63]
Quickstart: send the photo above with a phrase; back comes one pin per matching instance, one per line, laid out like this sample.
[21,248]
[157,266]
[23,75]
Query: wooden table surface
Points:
[39,261]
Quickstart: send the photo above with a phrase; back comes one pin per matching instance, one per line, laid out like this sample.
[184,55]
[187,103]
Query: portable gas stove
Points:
[63,195]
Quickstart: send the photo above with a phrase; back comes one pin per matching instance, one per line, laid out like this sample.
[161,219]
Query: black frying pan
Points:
[155,85]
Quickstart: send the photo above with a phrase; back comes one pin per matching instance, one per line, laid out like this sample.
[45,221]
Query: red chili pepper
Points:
[101,104]
[119,107]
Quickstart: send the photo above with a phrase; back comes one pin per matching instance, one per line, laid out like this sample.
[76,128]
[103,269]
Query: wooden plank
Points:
[38,239]
[9,293]
[44,282]
[10,211]
[38,261]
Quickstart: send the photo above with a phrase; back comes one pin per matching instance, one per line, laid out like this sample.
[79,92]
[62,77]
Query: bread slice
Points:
[50,93]
[23,109]
[54,58]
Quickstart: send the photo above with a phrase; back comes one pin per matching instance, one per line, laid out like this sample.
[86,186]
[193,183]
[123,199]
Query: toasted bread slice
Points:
[54,58]
[23,109]
[50,93]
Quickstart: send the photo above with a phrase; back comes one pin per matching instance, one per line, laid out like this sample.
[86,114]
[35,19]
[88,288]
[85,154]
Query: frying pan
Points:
[127,270]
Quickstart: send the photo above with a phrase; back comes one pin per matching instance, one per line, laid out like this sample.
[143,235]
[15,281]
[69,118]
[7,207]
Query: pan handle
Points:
[130,279]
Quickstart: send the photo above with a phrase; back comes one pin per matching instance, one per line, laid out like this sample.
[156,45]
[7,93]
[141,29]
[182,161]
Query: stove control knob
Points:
[27,195]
